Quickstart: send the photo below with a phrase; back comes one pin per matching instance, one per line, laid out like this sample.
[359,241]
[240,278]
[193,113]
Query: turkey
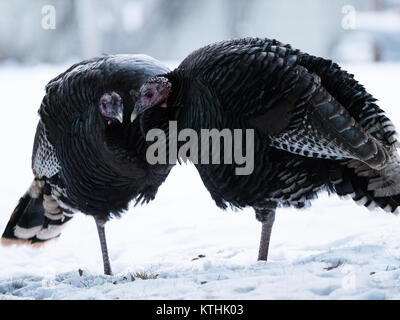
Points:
[87,155]
[315,127]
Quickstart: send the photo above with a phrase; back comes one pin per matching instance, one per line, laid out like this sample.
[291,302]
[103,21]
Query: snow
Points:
[335,250]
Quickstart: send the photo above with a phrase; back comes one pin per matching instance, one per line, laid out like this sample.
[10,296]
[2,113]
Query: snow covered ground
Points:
[335,250]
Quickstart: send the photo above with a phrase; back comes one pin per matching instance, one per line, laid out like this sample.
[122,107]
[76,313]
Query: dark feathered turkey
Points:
[316,128]
[83,157]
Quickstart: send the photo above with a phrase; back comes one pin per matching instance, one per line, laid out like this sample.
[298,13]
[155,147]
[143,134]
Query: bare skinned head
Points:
[153,93]
[111,107]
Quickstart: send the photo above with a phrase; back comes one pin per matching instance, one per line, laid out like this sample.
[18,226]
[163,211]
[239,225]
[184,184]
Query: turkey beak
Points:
[133,116]
[120,117]
[137,110]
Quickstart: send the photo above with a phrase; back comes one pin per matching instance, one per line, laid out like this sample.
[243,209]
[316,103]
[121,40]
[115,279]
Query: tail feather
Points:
[371,188]
[36,219]
[31,220]
[15,216]
[387,181]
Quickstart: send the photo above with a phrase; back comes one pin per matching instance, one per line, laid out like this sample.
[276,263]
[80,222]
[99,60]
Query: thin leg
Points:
[267,217]
[103,243]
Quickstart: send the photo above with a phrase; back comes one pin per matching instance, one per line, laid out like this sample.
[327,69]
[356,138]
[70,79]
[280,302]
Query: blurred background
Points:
[57,31]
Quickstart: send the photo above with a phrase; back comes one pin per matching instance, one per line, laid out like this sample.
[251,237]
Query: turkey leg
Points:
[103,243]
[267,217]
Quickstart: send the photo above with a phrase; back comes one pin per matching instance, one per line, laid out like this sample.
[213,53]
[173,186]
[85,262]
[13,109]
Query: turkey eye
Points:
[148,95]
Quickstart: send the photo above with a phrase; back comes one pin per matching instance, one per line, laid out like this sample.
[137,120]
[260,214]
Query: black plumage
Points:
[87,157]
[316,128]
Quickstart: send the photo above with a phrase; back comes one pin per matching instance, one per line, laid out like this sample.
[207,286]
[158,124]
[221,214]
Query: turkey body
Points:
[82,161]
[315,127]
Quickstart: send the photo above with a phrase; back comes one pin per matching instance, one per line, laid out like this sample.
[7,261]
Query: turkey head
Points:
[154,93]
[111,107]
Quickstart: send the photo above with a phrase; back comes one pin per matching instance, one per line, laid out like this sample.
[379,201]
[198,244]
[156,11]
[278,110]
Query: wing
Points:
[324,128]
[353,96]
